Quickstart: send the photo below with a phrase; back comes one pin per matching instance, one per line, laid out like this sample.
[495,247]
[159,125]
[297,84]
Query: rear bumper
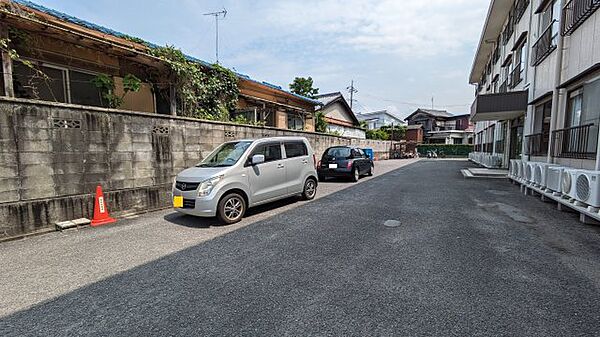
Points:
[339,172]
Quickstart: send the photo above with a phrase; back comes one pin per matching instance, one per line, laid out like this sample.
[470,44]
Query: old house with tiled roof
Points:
[339,116]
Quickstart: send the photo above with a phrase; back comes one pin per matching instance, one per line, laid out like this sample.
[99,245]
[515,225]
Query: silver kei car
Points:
[245,173]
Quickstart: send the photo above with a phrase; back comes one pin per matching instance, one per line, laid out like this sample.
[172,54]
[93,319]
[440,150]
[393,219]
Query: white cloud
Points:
[405,28]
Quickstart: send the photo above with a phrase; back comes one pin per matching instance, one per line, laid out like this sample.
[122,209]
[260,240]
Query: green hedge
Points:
[458,150]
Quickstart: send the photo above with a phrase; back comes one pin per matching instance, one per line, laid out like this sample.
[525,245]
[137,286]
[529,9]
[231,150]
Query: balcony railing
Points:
[537,144]
[543,47]
[509,29]
[503,87]
[520,7]
[576,12]
[576,142]
[515,76]
[500,146]
[488,147]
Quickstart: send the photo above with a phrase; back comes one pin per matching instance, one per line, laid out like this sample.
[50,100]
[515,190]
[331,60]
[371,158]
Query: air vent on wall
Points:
[61,123]
[160,130]
[229,134]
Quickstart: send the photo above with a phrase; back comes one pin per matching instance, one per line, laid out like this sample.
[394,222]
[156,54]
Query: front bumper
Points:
[197,206]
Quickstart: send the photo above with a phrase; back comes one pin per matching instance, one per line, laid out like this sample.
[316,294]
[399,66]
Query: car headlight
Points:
[207,186]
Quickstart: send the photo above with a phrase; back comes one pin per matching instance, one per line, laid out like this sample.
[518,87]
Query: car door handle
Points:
[280,166]
[305,161]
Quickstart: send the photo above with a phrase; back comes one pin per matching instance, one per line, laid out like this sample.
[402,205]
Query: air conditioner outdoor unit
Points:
[540,173]
[529,171]
[554,178]
[521,174]
[587,187]
[569,178]
[513,168]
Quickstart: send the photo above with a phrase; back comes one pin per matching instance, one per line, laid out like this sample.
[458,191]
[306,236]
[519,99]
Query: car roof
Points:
[271,139]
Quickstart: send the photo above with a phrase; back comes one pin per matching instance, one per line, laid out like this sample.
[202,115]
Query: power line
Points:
[412,103]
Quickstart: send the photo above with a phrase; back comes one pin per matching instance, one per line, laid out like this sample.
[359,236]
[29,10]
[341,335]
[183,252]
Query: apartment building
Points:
[537,78]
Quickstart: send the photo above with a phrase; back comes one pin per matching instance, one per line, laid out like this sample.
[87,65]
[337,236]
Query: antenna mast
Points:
[217,15]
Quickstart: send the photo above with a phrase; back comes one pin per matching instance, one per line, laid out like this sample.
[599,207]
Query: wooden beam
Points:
[7,68]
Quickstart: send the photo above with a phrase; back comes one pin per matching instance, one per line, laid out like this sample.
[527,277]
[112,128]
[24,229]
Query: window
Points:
[295,122]
[295,149]
[550,19]
[56,84]
[29,84]
[272,152]
[226,155]
[83,91]
[574,108]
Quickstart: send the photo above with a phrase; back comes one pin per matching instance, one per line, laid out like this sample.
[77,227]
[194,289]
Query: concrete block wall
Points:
[52,157]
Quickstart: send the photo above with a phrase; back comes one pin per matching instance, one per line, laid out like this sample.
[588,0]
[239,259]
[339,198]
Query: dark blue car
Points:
[345,161]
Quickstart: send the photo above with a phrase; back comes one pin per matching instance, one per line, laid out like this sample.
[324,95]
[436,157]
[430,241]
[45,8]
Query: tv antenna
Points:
[217,15]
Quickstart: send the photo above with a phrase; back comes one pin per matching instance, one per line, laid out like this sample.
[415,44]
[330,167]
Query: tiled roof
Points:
[102,29]
[437,113]
[328,98]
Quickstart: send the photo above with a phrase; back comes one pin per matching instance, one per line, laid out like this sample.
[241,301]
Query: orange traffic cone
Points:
[101,216]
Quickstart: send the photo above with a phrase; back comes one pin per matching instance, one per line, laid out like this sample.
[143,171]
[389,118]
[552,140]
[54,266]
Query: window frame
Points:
[304,153]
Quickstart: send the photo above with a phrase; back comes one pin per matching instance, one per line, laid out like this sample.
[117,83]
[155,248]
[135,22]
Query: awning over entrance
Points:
[497,107]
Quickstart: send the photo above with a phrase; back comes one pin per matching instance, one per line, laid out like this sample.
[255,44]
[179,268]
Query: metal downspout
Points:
[556,90]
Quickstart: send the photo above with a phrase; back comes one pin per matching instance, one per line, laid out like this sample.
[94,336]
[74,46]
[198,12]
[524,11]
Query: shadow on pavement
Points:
[204,223]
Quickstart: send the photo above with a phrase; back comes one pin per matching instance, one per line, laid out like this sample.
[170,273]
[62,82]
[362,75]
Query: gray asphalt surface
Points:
[469,257]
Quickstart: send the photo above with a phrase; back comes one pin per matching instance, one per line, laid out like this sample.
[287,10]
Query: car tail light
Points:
[349,164]
[315,161]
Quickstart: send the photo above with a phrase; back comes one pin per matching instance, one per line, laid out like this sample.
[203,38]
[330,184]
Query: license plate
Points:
[333,166]
[178,201]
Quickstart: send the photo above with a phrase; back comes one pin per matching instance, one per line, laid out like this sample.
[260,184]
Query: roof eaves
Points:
[105,30]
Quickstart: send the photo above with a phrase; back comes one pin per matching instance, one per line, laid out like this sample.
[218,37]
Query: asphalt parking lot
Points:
[417,251]
[43,267]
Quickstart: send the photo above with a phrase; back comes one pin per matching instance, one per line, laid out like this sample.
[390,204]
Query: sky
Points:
[400,53]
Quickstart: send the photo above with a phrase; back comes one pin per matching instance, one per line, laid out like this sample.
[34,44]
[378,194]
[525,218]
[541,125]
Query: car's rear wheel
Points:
[310,189]
[371,170]
[231,208]
[355,174]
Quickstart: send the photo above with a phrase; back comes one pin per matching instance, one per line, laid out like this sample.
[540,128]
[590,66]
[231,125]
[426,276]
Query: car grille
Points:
[189,203]
[183,186]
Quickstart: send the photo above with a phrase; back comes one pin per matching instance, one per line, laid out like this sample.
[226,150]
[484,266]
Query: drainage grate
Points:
[61,123]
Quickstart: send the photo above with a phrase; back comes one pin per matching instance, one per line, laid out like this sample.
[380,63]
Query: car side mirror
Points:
[258,159]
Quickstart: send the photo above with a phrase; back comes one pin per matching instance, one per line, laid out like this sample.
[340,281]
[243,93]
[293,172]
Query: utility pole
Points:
[217,15]
[352,91]
[431,102]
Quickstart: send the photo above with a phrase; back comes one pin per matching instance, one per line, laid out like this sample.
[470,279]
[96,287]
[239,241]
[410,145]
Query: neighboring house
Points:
[414,134]
[538,86]
[339,116]
[378,119]
[72,52]
[442,127]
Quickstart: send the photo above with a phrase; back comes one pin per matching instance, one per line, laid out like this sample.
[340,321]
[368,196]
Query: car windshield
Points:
[338,152]
[225,155]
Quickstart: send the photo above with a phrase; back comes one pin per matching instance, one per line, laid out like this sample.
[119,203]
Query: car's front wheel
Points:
[371,170]
[231,208]
[310,189]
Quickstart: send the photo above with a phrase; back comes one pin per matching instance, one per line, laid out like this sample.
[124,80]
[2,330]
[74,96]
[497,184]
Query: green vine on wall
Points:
[106,85]
[202,92]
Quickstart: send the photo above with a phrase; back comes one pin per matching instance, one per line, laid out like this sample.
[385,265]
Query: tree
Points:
[304,87]
[321,123]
